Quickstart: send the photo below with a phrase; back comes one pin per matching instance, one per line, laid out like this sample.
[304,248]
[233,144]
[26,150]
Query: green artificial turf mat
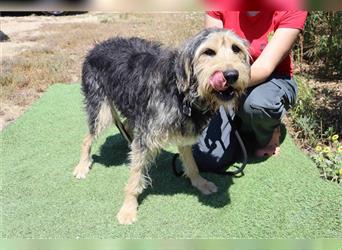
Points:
[282,197]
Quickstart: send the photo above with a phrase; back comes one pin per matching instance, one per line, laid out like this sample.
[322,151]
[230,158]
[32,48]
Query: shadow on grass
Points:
[114,152]
[166,183]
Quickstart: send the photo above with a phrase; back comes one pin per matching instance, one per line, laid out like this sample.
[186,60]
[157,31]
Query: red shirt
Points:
[258,30]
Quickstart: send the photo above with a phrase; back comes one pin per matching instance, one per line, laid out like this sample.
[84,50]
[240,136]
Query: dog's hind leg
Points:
[84,164]
[140,158]
[191,171]
[99,118]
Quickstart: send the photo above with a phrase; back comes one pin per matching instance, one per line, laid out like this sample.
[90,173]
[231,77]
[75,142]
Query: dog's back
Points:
[124,72]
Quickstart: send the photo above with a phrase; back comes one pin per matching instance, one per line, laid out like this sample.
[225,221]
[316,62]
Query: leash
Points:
[180,173]
[236,172]
[120,126]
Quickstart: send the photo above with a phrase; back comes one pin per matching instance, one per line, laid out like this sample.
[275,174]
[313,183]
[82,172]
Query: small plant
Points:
[328,159]
[305,98]
[306,127]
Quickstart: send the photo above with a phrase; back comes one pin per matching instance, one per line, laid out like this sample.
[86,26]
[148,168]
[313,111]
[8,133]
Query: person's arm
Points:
[275,51]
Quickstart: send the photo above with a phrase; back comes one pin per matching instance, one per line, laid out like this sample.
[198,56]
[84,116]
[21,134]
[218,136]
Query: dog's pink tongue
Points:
[217,81]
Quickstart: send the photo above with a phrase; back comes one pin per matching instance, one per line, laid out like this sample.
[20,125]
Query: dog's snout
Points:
[231,76]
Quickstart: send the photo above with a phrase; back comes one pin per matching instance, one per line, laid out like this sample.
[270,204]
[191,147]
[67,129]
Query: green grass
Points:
[282,197]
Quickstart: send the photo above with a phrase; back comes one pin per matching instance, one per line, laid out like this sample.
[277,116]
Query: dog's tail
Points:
[97,105]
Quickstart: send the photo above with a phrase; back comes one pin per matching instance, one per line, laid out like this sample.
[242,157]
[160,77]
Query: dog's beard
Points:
[226,95]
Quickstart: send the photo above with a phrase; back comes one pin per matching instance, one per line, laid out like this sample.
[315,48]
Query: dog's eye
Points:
[235,49]
[209,52]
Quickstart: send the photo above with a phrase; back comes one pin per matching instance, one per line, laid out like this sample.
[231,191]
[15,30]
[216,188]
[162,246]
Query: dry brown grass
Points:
[61,47]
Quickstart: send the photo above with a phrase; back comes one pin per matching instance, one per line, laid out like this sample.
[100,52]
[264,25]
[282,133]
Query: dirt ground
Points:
[43,50]
[24,33]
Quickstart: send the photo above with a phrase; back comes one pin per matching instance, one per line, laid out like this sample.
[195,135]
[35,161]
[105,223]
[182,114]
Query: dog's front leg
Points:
[191,171]
[137,182]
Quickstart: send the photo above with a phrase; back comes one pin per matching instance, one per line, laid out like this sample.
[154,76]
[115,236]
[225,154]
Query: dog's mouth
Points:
[226,95]
[222,86]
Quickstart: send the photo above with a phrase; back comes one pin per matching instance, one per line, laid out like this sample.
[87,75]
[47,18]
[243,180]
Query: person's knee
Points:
[251,108]
[262,108]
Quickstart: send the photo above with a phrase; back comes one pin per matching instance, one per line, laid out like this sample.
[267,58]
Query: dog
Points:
[167,95]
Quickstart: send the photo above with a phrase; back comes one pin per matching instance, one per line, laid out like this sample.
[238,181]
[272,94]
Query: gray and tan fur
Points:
[164,94]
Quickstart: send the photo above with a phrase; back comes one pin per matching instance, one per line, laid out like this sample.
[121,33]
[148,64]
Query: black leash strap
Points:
[179,173]
[239,170]
[120,126]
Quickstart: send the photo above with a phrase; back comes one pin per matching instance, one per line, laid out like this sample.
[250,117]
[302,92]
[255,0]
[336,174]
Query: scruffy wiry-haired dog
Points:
[167,96]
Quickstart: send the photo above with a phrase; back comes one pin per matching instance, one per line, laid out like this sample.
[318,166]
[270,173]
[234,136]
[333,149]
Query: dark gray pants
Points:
[260,112]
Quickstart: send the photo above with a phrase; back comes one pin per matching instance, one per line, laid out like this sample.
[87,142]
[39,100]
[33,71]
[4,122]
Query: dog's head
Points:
[214,66]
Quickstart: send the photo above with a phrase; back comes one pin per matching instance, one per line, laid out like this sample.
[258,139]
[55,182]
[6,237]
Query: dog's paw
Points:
[127,216]
[206,187]
[81,170]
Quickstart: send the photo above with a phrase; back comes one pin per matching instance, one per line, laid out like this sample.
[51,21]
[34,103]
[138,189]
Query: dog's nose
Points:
[231,75]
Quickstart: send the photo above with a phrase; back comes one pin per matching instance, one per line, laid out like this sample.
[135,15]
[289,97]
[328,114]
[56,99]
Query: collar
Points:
[189,105]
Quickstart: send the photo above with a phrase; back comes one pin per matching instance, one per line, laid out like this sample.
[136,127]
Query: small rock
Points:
[3,37]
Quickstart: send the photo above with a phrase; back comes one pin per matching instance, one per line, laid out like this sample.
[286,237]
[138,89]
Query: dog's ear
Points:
[246,45]
[183,69]
[185,57]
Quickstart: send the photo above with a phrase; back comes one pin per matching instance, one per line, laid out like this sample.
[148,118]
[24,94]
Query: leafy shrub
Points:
[307,118]
[303,114]
[305,126]
[305,99]
[323,41]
